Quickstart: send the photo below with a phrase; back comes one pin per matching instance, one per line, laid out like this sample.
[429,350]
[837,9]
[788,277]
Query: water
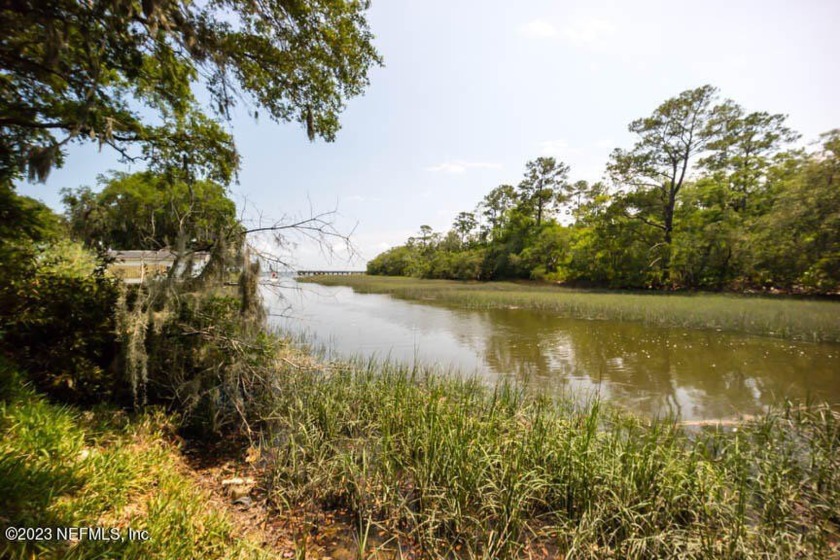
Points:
[699,375]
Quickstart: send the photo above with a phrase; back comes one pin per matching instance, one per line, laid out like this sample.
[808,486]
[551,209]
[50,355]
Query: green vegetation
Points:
[56,305]
[125,75]
[132,88]
[64,468]
[707,198]
[149,211]
[448,465]
[780,317]
[445,467]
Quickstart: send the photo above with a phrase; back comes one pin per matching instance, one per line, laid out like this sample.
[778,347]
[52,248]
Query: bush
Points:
[399,261]
[205,359]
[57,321]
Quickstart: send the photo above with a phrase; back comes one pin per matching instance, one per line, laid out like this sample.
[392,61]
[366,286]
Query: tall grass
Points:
[458,470]
[63,468]
[796,319]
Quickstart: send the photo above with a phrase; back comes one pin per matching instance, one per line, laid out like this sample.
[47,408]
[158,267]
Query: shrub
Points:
[200,355]
[57,321]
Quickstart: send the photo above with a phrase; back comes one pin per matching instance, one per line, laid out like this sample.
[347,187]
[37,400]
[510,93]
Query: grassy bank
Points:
[64,468]
[424,466]
[779,317]
[453,469]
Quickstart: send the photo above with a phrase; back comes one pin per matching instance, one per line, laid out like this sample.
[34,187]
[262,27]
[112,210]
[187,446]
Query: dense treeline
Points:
[709,197]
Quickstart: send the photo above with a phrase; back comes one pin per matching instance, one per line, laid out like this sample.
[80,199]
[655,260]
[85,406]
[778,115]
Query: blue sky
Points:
[471,90]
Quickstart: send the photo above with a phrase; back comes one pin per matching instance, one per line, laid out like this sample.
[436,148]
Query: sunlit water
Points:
[696,374]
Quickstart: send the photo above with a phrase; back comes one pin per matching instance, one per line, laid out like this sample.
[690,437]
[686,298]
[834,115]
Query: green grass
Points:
[63,468]
[449,465]
[795,319]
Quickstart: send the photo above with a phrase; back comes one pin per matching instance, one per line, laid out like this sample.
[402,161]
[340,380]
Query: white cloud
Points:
[589,32]
[553,147]
[460,166]
[538,29]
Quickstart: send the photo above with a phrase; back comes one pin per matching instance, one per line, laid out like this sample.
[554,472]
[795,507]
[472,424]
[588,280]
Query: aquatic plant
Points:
[788,318]
[459,470]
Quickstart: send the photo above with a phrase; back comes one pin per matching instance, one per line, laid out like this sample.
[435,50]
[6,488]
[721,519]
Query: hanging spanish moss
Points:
[191,339]
[132,322]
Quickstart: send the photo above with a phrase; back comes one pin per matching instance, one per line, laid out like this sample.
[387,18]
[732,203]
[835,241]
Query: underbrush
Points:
[814,321]
[453,469]
[60,467]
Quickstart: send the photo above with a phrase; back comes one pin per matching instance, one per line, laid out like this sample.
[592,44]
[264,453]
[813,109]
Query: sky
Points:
[473,89]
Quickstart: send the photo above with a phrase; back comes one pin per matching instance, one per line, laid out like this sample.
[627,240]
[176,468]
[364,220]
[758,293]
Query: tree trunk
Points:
[668,224]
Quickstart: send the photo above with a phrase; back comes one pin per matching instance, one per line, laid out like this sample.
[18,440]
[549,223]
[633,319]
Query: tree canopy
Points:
[709,196]
[121,73]
[147,211]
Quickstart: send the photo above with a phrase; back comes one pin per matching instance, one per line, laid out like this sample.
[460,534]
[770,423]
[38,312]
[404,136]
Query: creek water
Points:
[696,374]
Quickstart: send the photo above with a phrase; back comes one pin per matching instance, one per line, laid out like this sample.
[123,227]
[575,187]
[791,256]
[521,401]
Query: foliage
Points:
[195,342]
[398,261]
[62,468]
[705,199]
[57,322]
[207,361]
[132,85]
[149,211]
[450,464]
[789,318]
[677,131]
[56,306]
[22,217]
[797,241]
[541,188]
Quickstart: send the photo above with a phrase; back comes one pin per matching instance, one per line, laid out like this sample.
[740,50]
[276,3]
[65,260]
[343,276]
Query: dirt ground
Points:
[229,472]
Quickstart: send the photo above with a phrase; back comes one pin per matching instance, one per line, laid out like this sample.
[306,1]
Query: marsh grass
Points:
[795,319]
[460,470]
[63,468]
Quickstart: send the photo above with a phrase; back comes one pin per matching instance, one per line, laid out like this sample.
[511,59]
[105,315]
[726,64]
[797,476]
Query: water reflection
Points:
[696,374]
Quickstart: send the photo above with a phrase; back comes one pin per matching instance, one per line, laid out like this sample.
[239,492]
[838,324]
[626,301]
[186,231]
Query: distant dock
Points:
[304,273]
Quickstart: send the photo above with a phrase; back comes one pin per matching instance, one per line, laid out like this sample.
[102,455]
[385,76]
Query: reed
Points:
[788,318]
[460,470]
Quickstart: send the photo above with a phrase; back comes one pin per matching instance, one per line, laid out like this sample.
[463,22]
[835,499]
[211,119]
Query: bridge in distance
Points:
[302,273]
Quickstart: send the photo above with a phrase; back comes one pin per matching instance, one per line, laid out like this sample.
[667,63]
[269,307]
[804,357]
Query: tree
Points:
[668,141]
[495,206]
[397,261]
[464,225]
[25,219]
[796,244]
[427,238]
[146,211]
[541,188]
[548,252]
[742,152]
[121,73]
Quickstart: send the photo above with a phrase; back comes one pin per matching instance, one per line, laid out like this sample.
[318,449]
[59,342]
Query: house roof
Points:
[161,255]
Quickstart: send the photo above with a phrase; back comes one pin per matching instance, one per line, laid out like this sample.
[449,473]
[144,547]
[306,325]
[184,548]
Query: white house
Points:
[134,267]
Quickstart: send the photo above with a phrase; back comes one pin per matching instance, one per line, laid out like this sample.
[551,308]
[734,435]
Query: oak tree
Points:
[122,73]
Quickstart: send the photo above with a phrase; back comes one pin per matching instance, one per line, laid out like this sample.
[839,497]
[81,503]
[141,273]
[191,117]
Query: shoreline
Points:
[405,461]
[785,319]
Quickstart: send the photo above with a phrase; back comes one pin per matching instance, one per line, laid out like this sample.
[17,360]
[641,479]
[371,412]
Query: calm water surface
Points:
[697,374]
